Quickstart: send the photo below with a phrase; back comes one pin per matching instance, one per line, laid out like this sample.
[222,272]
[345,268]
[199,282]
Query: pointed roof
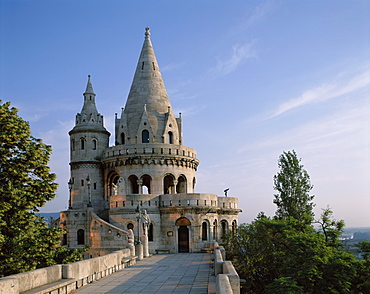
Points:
[147,89]
[89,106]
[89,119]
[89,87]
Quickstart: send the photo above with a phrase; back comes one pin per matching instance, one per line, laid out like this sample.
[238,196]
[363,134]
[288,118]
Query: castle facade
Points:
[143,186]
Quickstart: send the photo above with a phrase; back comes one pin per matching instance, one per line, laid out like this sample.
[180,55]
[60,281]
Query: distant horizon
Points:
[251,78]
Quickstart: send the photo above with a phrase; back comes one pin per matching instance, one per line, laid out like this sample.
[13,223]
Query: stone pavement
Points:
[163,273]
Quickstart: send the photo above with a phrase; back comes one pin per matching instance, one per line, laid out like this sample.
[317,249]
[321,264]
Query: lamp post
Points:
[137,212]
[70,184]
[88,182]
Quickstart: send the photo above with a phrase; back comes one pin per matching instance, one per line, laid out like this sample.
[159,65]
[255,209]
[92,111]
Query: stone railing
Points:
[64,278]
[227,279]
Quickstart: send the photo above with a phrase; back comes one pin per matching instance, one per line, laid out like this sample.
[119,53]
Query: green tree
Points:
[26,183]
[293,185]
[286,254]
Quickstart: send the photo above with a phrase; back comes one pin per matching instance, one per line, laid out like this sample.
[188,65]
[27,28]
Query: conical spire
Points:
[147,89]
[89,115]
[89,88]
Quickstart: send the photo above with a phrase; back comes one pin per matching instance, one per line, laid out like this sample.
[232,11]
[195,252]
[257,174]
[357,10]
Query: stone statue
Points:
[130,241]
[114,189]
[130,237]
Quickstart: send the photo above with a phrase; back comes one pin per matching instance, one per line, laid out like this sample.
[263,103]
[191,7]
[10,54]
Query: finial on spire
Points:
[89,88]
[147,32]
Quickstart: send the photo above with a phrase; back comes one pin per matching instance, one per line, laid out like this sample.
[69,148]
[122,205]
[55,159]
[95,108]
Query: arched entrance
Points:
[183,234]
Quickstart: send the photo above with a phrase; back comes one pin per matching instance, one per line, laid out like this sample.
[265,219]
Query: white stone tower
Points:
[88,140]
[145,182]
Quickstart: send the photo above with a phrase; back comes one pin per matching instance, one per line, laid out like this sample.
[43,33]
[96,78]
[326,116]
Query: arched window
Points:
[145,136]
[73,145]
[204,231]
[234,226]
[181,184]
[123,138]
[215,230]
[223,228]
[134,187]
[146,184]
[80,237]
[94,144]
[82,144]
[150,232]
[168,184]
[170,138]
[130,226]
[194,182]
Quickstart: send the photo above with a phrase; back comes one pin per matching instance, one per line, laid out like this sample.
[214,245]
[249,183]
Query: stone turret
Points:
[88,140]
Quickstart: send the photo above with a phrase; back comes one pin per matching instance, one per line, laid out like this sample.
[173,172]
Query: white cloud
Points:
[259,12]
[240,53]
[325,92]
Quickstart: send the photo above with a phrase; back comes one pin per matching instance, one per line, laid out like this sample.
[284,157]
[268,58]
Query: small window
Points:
[204,231]
[130,226]
[170,138]
[94,144]
[82,144]
[73,145]
[94,186]
[145,136]
[123,138]
[82,183]
[80,237]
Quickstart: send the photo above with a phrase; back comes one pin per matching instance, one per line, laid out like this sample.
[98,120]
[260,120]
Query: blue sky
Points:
[251,78]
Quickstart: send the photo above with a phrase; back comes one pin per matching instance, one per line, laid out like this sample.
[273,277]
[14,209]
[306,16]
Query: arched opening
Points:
[181,184]
[234,226]
[215,230]
[194,182]
[82,144]
[80,237]
[168,184]
[73,145]
[183,234]
[145,136]
[224,228]
[147,180]
[134,187]
[170,138]
[113,184]
[123,138]
[204,231]
[150,232]
[130,226]
[94,144]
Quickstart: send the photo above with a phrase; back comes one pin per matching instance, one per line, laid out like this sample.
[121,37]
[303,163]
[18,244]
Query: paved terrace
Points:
[164,273]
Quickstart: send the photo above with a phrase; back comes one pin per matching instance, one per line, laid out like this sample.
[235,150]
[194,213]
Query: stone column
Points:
[140,184]
[139,251]
[144,240]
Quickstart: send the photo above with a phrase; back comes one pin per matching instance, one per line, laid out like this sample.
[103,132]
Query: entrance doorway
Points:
[183,234]
[183,239]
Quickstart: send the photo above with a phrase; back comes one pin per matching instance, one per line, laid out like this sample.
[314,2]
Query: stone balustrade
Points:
[227,279]
[151,149]
[65,278]
[148,201]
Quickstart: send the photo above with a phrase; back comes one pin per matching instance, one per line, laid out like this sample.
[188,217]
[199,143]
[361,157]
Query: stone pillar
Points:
[139,251]
[140,184]
[145,242]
